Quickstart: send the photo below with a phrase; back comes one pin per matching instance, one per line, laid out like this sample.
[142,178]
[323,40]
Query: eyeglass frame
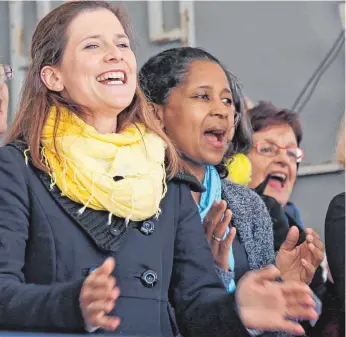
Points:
[8,73]
[298,160]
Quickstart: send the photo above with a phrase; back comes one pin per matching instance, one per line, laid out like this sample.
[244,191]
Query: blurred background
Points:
[273,47]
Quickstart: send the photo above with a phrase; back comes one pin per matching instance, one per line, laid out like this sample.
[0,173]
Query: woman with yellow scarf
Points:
[83,182]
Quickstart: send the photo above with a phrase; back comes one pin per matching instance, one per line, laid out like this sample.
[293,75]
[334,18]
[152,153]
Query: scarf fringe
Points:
[83,166]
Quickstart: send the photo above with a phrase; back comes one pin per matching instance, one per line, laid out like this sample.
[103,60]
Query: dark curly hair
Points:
[166,70]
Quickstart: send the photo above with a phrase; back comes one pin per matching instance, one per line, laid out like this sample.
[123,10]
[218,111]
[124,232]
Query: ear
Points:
[158,112]
[52,79]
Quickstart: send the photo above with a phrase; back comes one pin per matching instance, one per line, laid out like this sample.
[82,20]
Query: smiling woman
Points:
[277,135]
[83,180]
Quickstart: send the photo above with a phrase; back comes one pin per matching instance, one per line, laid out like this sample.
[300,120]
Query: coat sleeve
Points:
[203,307]
[335,244]
[25,306]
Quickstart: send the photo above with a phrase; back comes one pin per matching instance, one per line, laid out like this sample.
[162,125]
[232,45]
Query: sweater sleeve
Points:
[203,307]
[23,306]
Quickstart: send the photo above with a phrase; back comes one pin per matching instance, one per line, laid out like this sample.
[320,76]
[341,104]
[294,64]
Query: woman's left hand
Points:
[215,225]
[299,263]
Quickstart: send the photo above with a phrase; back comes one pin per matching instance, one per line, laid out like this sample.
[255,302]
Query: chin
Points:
[120,105]
[213,160]
[280,199]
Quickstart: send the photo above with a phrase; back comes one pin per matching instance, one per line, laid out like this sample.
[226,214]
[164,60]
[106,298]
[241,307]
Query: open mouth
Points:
[217,136]
[112,78]
[279,178]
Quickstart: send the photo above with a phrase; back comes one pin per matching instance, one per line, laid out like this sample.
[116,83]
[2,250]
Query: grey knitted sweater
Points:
[254,227]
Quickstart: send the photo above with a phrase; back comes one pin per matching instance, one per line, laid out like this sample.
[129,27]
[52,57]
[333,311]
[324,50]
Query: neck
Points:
[198,171]
[102,123]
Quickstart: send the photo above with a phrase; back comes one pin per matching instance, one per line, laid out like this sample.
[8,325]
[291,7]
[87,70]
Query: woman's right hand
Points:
[98,296]
[215,225]
[265,304]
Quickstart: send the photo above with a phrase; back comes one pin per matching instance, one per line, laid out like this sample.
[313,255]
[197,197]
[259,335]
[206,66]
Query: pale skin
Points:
[295,263]
[96,43]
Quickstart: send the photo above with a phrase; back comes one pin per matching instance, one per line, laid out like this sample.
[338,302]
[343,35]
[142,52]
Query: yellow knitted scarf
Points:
[84,162]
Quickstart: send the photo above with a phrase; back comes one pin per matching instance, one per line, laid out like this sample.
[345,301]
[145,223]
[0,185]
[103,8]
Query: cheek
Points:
[4,93]
[293,170]
[132,62]
[231,135]
[180,133]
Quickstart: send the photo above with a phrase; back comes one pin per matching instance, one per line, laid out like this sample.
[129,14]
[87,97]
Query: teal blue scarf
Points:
[212,184]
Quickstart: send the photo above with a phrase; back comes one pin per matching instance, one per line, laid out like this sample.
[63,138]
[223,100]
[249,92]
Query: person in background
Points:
[6,74]
[86,177]
[276,152]
[275,158]
[191,91]
[332,320]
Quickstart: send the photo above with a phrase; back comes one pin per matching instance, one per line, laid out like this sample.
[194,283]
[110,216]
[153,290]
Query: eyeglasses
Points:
[295,154]
[6,73]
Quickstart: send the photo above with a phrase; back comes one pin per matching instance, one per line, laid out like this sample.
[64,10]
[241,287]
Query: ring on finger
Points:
[216,238]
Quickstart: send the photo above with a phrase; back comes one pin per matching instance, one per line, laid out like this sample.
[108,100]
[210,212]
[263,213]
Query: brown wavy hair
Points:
[47,48]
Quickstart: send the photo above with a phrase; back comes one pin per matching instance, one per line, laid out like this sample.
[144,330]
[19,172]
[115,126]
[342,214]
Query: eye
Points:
[293,153]
[91,46]
[123,45]
[266,148]
[202,96]
[228,101]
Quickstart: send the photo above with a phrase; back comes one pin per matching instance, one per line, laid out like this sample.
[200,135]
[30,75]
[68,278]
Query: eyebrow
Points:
[210,88]
[270,140]
[98,36]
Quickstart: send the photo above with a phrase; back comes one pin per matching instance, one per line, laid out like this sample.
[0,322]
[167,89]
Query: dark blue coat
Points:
[47,250]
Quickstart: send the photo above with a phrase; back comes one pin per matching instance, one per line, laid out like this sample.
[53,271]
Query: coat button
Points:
[114,231]
[147,228]
[149,278]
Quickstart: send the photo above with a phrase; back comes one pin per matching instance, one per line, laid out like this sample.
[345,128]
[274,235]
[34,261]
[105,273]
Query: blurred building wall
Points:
[273,47]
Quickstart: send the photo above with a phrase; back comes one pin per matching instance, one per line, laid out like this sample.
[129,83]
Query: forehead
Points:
[282,135]
[206,73]
[95,22]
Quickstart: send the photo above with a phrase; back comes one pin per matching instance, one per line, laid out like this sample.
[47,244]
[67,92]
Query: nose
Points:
[219,110]
[114,54]
[282,158]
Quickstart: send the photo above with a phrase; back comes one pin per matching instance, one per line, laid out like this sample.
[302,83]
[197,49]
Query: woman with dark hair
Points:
[200,105]
[83,181]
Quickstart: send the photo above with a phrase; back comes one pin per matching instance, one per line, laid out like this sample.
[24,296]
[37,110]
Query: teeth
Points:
[217,132]
[119,76]
[280,175]
[115,82]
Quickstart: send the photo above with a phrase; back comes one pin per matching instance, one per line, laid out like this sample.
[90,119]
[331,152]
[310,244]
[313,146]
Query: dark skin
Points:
[200,103]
